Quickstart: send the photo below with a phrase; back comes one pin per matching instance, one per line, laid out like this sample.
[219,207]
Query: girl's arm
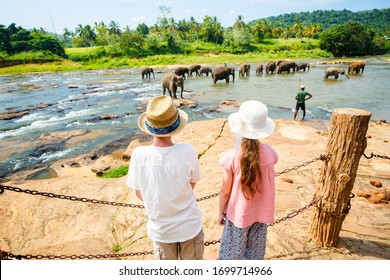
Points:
[224,195]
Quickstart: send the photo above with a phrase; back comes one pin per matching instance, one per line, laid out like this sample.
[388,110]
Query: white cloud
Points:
[138,18]
[232,12]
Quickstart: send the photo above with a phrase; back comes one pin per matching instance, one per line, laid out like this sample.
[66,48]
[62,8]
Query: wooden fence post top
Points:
[352,111]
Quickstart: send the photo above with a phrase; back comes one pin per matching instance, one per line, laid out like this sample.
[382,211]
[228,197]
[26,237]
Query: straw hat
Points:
[251,121]
[162,118]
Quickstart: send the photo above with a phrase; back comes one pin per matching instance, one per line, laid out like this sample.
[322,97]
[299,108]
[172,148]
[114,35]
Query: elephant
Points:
[355,67]
[205,70]
[194,68]
[334,71]
[182,71]
[171,81]
[146,71]
[270,67]
[259,69]
[286,66]
[244,70]
[221,73]
[303,66]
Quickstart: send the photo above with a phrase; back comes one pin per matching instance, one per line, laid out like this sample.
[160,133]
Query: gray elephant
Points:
[182,71]
[244,70]
[334,71]
[286,66]
[303,66]
[146,71]
[270,67]
[222,73]
[355,67]
[171,81]
[205,70]
[194,68]
[259,69]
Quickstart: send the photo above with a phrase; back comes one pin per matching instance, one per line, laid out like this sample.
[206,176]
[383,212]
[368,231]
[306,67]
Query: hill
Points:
[377,19]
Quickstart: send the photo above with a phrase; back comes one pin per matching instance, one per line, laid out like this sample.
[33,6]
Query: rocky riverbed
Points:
[51,226]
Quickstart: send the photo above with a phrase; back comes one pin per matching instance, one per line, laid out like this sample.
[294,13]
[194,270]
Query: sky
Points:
[56,15]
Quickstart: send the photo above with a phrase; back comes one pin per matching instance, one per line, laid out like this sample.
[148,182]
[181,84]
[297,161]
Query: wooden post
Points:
[346,144]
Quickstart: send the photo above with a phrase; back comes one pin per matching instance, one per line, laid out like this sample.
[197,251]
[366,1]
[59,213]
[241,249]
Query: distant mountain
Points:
[377,19]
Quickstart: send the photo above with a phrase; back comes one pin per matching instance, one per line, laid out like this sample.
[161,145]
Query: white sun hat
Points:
[251,121]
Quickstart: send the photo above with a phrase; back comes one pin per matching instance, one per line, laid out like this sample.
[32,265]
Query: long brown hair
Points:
[250,167]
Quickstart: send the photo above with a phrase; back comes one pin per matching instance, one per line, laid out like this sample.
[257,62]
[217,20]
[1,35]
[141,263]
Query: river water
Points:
[120,91]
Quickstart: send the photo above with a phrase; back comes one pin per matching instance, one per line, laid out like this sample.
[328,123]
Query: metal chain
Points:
[7,255]
[67,197]
[340,214]
[96,201]
[323,157]
[375,155]
[74,198]
[296,212]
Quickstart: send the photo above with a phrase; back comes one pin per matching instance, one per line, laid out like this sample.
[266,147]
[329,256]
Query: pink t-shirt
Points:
[260,208]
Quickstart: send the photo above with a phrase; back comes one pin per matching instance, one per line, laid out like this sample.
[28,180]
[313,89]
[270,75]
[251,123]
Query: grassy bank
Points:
[156,61]
[199,53]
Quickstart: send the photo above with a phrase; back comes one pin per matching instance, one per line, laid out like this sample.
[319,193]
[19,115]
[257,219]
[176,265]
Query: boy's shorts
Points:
[192,249]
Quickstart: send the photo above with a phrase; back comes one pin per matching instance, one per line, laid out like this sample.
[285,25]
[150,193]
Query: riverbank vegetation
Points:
[187,41]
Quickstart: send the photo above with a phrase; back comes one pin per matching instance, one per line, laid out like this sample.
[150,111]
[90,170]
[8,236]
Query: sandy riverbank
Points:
[41,225]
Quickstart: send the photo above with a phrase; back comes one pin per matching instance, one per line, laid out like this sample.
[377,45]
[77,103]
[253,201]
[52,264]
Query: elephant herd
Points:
[171,81]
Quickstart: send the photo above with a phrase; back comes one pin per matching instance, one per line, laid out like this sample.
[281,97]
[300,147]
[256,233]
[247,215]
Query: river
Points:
[76,100]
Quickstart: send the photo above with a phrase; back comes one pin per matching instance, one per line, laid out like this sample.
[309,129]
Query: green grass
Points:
[117,247]
[116,173]
[198,52]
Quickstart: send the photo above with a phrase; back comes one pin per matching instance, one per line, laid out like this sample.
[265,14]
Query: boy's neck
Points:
[163,141]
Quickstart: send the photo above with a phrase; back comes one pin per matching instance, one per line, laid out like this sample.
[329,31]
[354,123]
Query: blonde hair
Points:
[250,167]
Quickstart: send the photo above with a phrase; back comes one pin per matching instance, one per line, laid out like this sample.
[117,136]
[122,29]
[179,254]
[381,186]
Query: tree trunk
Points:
[346,144]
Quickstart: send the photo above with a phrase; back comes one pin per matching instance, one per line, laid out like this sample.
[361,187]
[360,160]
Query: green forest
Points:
[330,33]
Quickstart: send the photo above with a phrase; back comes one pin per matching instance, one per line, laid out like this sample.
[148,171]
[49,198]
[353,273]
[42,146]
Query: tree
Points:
[41,41]
[277,30]
[5,40]
[287,32]
[299,28]
[349,39]
[86,34]
[143,29]
[194,28]
[239,23]
[113,28]
[257,31]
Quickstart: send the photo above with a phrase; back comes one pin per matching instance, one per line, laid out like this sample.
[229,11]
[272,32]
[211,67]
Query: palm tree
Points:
[113,28]
[172,28]
[86,33]
[277,30]
[266,27]
[206,28]
[217,30]
[298,28]
[287,32]
[239,23]
[183,29]
[257,31]
[67,35]
[194,27]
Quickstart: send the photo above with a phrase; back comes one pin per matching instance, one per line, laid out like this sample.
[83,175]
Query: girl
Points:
[247,196]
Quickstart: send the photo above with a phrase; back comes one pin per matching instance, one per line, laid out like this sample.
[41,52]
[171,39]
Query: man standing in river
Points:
[301,97]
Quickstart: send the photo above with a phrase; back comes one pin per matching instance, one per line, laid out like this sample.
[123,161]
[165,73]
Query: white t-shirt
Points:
[163,175]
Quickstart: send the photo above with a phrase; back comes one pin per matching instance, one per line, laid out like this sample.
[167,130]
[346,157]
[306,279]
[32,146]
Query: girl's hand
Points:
[221,219]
